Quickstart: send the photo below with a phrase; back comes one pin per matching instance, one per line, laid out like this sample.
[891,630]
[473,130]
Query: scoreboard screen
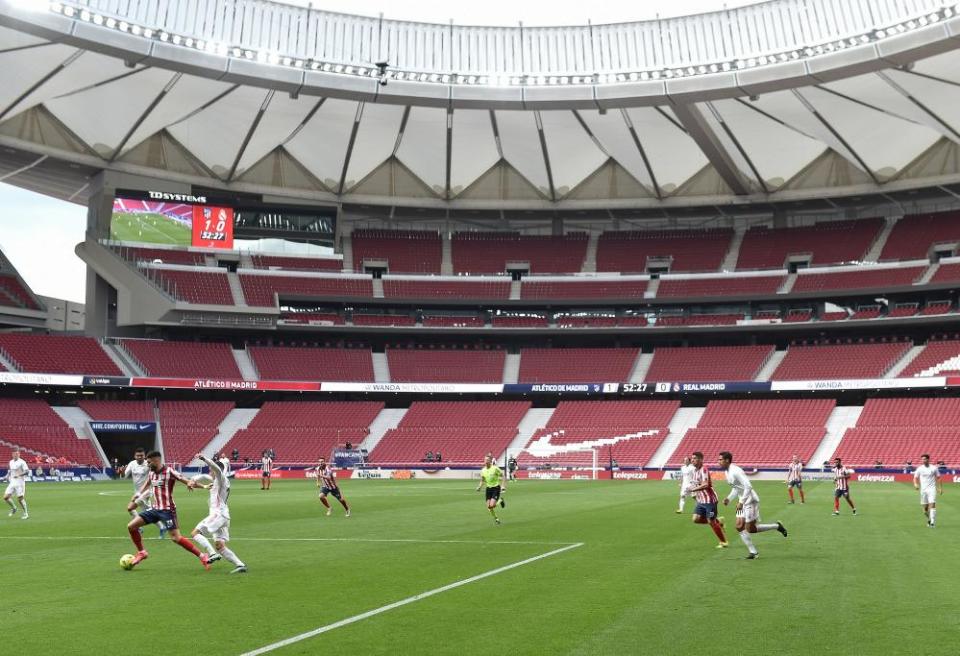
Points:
[171,219]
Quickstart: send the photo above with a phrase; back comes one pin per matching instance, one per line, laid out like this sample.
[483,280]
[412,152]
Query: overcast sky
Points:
[40,233]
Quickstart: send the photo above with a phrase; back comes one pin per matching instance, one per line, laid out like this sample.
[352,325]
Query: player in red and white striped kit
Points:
[327,482]
[841,480]
[160,484]
[702,488]
[795,478]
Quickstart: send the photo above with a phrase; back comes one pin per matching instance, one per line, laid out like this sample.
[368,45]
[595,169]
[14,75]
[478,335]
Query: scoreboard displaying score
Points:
[172,219]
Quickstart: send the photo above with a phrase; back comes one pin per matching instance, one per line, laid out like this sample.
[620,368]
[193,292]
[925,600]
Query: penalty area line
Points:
[403,602]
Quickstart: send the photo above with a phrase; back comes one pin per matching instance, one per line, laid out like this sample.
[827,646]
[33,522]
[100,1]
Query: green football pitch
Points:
[151,228]
[578,567]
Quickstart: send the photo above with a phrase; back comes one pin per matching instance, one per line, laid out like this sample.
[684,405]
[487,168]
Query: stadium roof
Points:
[786,99]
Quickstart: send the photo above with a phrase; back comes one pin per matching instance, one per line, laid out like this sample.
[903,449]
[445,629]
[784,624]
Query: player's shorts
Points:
[16,488]
[332,491]
[265,474]
[796,484]
[708,510]
[165,519]
[493,492]
[841,493]
[929,496]
[749,512]
[216,525]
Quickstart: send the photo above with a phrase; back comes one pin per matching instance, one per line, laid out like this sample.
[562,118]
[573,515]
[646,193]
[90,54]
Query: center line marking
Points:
[403,602]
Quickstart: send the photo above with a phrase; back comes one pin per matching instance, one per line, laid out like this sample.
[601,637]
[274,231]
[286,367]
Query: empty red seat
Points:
[183,359]
[576,365]
[57,354]
[489,252]
[827,242]
[839,361]
[685,250]
[445,366]
[707,363]
[406,251]
[323,364]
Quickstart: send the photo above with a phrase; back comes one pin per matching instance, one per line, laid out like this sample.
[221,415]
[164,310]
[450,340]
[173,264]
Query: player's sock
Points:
[202,540]
[324,502]
[13,506]
[683,502]
[933,515]
[189,546]
[836,505]
[23,505]
[493,511]
[802,500]
[790,492]
[766,527]
[343,503]
[137,539]
[745,536]
[232,557]
[718,531]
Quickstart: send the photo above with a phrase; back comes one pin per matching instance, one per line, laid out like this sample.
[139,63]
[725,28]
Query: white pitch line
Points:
[403,602]
[66,538]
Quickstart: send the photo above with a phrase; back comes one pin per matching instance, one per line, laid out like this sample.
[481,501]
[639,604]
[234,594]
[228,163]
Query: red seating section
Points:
[912,236]
[462,431]
[318,318]
[183,359]
[707,363]
[489,252]
[895,431]
[406,251]
[428,289]
[871,278]
[797,316]
[576,365]
[829,242]
[725,286]
[531,321]
[870,312]
[445,366]
[210,288]
[297,363]
[586,321]
[296,263]
[762,433]
[585,289]
[32,425]
[302,432]
[450,321]
[903,310]
[937,307]
[165,255]
[14,294]
[118,410]
[946,272]
[188,426]
[691,250]
[54,354]
[591,421]
[700,320]
[932,355]
[839,361]
[383,320]
[259,290]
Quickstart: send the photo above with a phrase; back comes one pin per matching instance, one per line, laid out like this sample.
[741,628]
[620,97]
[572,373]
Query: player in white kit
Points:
[17,473]
[686,482]
[139,470]
[927,480]
[748,508]
[216,525]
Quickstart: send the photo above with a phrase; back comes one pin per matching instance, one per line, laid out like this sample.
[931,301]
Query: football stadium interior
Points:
[587,251]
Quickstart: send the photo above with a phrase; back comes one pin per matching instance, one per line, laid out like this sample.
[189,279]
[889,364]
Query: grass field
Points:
[645,580]
[151,228]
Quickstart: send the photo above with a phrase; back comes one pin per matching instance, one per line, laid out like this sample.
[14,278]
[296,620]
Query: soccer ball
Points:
[126,561]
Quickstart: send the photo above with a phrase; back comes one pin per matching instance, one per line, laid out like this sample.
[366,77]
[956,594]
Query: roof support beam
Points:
[143,116]
[939,122]
[696,126]
[249,135]
[546,155]
[350,144]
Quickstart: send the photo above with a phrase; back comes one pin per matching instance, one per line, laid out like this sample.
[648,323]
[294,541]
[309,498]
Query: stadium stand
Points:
[288,263]
[946,272]
[935,359]
[183,359]
[700,320]
[839,361]
[481,427]
[576,365]
[871,278]
[866,312]
[759,433]
[687,250]
[303,431]
[489,252]
[14,294]
[707,363]
[32,425]
[118,410]
[583,289]
[319,318]
[613,427]
[828,242]
[719,286]
[896,431]
[913,236]
[586,321]
[936,307]
[195,286]
[188,426]
[164,255]
[300,363]
[903,310]
[490,288]
[839,315]
[406,251]
[56,354]
[516,321]
[260,290]
[445,366]
[632,321]
[798,316]
[383,320]
[452,321]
